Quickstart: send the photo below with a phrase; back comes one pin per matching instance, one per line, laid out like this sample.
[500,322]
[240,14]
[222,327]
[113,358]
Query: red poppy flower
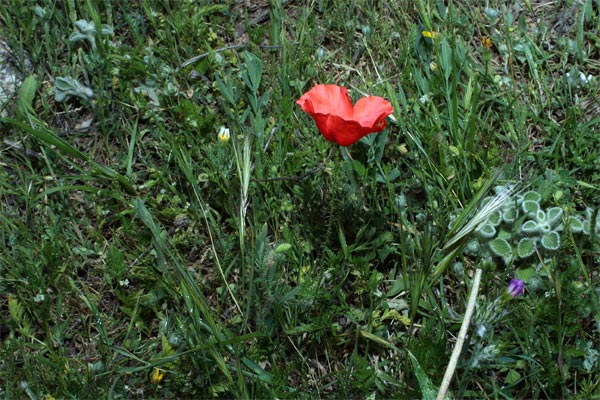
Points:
[338,120]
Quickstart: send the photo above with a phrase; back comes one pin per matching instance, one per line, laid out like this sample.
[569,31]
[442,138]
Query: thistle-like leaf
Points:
[551,241]
[530,227]
[501,248]
[554,215]
[476,213]
[532,196]
[486,231]
[540,216]
[495,218]
[65,87]
[509,214]
[473,247]
[526,247]
[530,207]
[576,224]
[87,31]
[587,227]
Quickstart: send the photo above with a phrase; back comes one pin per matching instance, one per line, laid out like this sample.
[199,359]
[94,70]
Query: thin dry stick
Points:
[462,334]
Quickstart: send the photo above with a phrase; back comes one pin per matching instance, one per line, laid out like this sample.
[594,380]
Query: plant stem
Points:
[461,337]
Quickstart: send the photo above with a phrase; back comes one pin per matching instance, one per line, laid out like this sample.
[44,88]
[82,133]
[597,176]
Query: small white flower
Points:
[39,298]
[584,79]
[124,283]
[224,134]
[425,98]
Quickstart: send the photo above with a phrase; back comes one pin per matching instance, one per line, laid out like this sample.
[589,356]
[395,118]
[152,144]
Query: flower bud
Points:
[224,134]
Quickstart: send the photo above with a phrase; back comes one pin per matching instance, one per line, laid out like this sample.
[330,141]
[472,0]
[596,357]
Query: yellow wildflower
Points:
[486,42]
[430,34]
[303,272]
[156,376]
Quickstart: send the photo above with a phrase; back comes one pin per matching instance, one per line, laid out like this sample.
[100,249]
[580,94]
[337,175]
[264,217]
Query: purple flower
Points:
[515,287]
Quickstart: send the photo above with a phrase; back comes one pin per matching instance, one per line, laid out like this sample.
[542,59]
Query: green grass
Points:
[134,243]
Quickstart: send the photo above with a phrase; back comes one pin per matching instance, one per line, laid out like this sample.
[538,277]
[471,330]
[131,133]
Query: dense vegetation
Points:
[144,252]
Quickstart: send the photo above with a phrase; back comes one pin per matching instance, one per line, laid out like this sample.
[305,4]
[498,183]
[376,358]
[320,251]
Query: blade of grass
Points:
[425,384]
[50,138]
[185,165]
[193,297]
[130,151]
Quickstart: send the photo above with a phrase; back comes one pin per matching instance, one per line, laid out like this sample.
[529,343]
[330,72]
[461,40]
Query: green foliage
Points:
[502,248]
[143,256]
[427,389]
[521,228]
[86,30]
[66,87]
[525,247]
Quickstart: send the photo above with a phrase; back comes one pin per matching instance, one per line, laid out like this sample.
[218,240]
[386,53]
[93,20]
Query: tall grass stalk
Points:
[243,162]
[462,334]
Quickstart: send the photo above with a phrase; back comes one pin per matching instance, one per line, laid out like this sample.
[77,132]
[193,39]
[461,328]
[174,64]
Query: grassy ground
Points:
[141,256]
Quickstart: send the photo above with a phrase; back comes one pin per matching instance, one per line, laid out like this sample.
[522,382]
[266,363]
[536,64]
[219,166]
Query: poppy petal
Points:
[340,122]
[338,130]
[371,111]
[327,99]
[347,132]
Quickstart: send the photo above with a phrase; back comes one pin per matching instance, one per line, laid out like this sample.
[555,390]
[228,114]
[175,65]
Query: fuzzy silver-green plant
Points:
[576,224]
[502,248]
[509,213]
[516,226]
[526,247]
[583,224]
[532,195]
[66,86]
[520,227]
[550,241]
[530,208]
[486,231]
[86,30]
